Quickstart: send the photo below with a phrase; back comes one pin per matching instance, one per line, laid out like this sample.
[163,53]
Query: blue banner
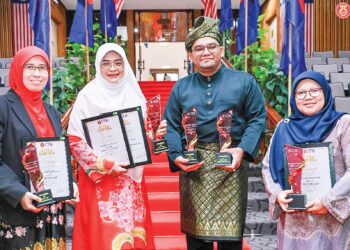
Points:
[109,18]
[226,18]
[253,14]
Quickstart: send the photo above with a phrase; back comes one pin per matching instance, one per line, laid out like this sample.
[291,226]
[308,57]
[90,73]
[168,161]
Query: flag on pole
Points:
[226,18]
[39,19]
[108,17]
[253,14]
[79,28]
[118,6]
[22,34]
[309,26]
[210,8]
[294,16]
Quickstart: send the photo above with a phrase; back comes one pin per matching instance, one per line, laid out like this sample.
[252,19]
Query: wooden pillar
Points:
[6,29]
[130,23]
[58,15]
[197,13]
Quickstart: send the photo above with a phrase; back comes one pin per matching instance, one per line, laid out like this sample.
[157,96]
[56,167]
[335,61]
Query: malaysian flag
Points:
[118,6]
[210,8]
[22,33]
[309,26]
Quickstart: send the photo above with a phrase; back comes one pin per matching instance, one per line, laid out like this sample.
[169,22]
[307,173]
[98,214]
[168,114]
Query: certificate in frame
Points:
[316,177]
[120,135]
[51,157]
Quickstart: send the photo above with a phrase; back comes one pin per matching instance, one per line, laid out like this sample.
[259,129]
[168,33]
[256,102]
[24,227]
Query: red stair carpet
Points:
[163,187]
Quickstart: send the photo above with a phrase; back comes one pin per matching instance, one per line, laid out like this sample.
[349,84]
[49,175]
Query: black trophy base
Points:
[46,198]
[298,202]
[191,156]
[223,159]
[159,146]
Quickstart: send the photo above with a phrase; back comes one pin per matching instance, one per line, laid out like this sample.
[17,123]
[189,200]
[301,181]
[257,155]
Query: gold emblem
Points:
[120,239]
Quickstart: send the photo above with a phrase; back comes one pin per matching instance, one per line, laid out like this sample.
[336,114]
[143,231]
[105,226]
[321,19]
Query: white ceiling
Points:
[155,4]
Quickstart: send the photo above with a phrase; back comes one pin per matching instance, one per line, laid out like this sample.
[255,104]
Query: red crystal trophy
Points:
[189,123]
[223,125]
[153,119]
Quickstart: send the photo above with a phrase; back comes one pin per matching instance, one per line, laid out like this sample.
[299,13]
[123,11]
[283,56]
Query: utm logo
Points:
[342,10]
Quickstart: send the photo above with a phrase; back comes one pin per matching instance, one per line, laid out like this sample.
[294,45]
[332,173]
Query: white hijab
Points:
[100,96]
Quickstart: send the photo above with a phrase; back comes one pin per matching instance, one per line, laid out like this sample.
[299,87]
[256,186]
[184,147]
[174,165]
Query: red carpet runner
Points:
[163,187]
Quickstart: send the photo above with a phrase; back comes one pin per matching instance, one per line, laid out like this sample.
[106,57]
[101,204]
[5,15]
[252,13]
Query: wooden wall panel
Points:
[6,29]
[331,32]
[58,14]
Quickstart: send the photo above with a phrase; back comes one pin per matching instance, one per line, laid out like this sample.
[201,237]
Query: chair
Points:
[338,61]
[344,53]
[346,68]
[311,61]
[5,62]
[325,69]
[342,104]
[337,89]
[344,78]
[3,75]
[323,54]
[4,90]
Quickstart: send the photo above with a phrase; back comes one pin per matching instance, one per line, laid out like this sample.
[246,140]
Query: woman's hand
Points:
[182,163]
[283,201]
[76,198]
[27,202]
[237,156]
[316,207]
[118,169]
[162,129]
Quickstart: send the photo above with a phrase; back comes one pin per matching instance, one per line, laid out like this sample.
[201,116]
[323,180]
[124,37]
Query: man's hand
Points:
[237,156]
[27,202]
[182,163]
[118,169]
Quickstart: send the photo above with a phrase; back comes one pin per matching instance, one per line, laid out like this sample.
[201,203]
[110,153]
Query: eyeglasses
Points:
[109,65]
[30,68]
[211,48]
[301,95]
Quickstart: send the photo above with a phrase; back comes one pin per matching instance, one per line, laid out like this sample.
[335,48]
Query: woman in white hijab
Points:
[112,213]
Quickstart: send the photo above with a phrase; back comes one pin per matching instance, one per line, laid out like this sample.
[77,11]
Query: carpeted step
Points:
[256,184]
[164,201]
[170,242]
[260,223]
[254,170]
[158,169]
[258,202]
[166,223]
[162,183]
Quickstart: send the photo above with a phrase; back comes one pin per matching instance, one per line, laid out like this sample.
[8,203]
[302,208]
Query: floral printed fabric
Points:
[48,233]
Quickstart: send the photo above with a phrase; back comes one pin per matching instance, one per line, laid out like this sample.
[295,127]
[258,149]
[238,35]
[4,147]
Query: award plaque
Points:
[309,172]
[153,119]
[223,125]
[189,123]
[119,135]
[47,162]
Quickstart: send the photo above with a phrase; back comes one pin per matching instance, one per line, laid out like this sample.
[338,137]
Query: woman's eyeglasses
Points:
[211,48]
[301,95]
[109,65]
[30,68]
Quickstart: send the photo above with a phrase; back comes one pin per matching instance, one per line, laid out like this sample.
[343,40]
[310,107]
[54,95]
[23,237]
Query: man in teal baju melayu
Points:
[213,200]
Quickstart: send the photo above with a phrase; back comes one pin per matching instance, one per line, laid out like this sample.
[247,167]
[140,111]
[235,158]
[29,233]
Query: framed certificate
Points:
[48,164]
[309,169]
[119,135]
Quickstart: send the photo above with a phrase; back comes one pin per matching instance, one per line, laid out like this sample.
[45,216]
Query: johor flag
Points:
[79,28]
[295,17]
[108,16]
[39,19]
[226,19]
[253,14]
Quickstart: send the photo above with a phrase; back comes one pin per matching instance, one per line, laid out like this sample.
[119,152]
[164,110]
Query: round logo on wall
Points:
[342,10]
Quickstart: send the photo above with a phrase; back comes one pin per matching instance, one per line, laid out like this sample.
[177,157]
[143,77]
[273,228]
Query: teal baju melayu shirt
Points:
[226,89]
